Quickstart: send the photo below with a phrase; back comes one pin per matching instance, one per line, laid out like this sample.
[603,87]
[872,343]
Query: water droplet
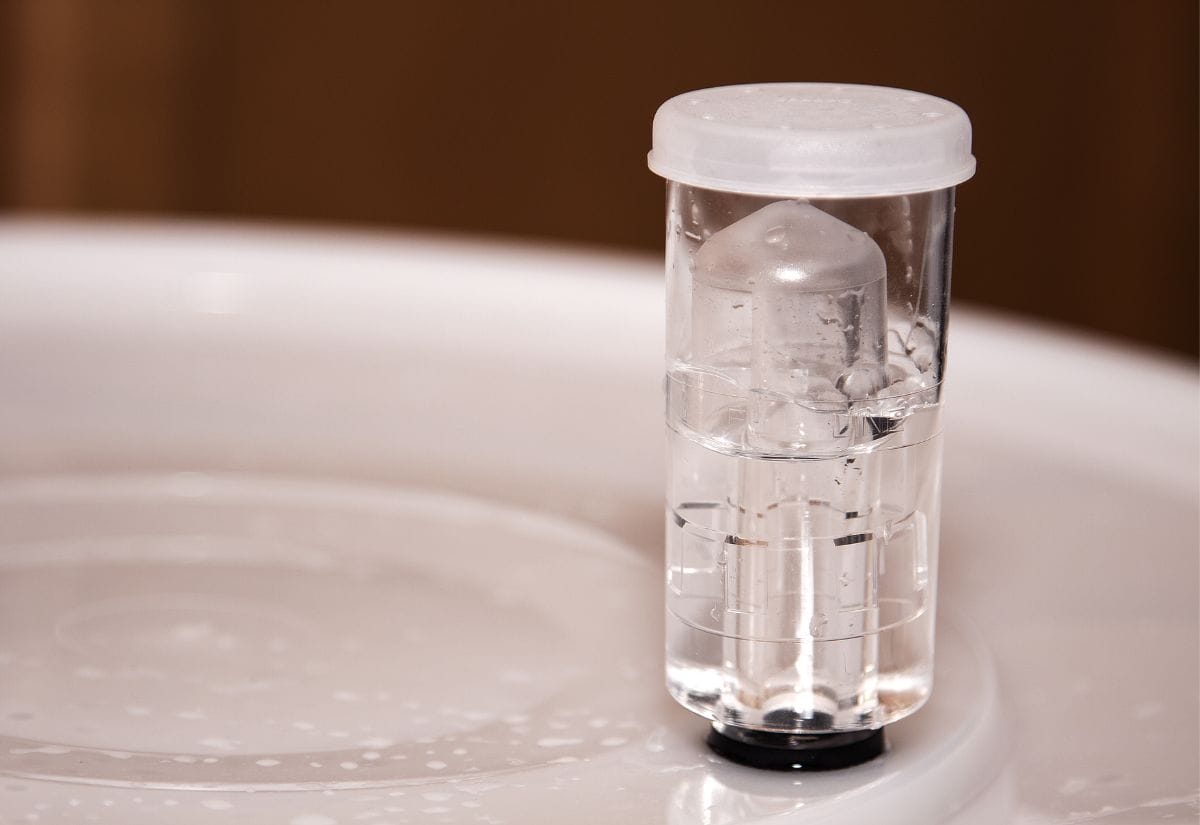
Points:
[817,626]
[555,742]
[376,742]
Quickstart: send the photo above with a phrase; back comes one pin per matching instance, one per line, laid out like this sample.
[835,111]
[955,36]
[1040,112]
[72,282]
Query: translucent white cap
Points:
[812,140]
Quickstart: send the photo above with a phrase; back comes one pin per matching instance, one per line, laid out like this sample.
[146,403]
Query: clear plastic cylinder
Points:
[805,353]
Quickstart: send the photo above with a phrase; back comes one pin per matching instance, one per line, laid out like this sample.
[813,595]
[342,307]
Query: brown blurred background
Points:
[533,119]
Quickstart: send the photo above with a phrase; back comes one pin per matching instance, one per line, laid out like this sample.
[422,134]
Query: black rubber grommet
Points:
[796,751]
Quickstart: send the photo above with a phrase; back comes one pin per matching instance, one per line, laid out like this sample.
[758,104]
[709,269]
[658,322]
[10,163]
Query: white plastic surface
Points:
[277,434]
[812,140]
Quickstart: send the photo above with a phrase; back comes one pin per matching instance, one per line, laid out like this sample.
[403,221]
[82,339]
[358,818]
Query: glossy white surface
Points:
[334,369]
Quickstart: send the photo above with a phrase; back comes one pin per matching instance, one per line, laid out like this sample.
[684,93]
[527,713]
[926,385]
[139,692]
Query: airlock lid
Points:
[812,140]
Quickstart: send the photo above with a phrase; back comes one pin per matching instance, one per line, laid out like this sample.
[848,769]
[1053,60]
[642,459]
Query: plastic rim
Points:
[812,140]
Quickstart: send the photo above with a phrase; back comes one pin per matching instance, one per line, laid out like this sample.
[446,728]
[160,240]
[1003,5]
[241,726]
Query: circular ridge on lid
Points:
[812,140]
